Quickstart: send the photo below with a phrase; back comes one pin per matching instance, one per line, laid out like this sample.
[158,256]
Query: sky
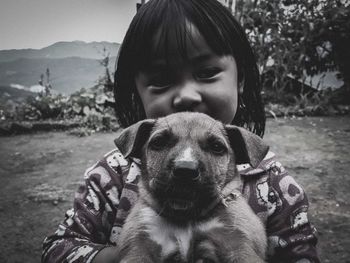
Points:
[40,23]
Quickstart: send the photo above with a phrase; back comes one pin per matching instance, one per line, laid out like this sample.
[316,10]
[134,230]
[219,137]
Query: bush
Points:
[295,38]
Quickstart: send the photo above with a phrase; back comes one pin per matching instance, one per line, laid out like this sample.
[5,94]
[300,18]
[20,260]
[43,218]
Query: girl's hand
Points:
[106,255]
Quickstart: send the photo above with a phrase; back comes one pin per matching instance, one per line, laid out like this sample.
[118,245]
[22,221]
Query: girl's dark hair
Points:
[169,19]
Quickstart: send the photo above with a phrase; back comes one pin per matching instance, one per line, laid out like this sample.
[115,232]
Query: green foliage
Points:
[94,106]
[295,38]
[89,107]
[45,107]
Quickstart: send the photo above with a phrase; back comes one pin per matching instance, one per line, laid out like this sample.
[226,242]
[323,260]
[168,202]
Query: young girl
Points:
[183,55]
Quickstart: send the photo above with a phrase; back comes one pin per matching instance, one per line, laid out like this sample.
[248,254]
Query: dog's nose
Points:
[186,171]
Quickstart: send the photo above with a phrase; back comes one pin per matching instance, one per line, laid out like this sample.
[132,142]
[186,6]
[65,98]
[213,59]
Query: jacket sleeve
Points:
[88,225]
[291,237]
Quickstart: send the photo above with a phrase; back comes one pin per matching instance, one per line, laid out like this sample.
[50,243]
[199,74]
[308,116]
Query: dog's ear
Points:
[131,140]
[248,147]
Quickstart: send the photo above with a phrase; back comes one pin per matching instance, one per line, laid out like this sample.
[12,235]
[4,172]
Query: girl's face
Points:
[203,82]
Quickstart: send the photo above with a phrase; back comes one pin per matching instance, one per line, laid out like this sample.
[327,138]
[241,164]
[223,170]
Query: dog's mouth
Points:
[173,197]
[180,198]
[180,204]
[181,201]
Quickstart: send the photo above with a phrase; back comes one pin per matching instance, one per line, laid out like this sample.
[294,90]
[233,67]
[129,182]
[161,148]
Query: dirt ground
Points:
[40,173]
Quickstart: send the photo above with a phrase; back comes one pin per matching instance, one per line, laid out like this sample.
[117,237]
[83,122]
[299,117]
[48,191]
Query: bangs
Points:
[167,32]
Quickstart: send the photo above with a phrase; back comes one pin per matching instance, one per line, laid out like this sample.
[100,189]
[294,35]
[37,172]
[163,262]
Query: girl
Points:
[183,55]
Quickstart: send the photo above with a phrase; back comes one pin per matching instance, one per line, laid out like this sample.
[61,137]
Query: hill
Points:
[72,65]
[14,94]
[67,74]
[92,50]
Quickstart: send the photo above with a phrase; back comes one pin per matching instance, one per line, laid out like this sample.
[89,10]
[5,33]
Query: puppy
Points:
[190,208]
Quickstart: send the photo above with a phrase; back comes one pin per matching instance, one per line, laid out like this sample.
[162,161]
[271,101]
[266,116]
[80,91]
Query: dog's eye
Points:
[217,147]
[159,142]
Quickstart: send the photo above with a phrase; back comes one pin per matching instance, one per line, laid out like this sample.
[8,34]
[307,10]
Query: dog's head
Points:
[187,158]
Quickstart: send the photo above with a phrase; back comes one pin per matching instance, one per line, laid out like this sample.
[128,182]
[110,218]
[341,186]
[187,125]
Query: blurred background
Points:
[58,57]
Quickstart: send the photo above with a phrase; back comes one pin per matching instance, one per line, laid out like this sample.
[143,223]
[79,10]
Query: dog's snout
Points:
[186,170]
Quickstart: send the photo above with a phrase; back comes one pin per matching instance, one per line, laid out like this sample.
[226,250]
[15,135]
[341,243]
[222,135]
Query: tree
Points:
[293,38]
[46,84]
[106,79]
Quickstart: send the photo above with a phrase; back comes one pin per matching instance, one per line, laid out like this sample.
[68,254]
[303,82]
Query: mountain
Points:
[67,75]
[72,65]
[14,94]
[93,50]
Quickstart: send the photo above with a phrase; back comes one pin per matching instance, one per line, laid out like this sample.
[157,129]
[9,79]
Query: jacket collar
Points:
[247,170]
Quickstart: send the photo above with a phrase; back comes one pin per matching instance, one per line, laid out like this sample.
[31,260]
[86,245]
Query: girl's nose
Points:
[187,98]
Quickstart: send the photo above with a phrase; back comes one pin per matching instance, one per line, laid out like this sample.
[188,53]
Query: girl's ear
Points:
[241,84]
[131,140]
[247,146]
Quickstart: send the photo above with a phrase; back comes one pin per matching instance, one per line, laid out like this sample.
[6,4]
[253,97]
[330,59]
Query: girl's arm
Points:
[291,237]
[85,234]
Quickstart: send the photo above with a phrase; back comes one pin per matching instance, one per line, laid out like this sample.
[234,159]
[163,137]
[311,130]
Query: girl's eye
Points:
[160,81]
[207,73]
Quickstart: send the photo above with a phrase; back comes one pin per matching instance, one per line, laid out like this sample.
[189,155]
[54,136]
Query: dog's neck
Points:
[231,191]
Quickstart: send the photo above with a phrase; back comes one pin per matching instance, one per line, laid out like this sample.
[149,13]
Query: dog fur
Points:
[190,208]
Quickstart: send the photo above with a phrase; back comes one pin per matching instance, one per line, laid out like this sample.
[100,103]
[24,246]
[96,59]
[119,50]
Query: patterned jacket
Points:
[111,189]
